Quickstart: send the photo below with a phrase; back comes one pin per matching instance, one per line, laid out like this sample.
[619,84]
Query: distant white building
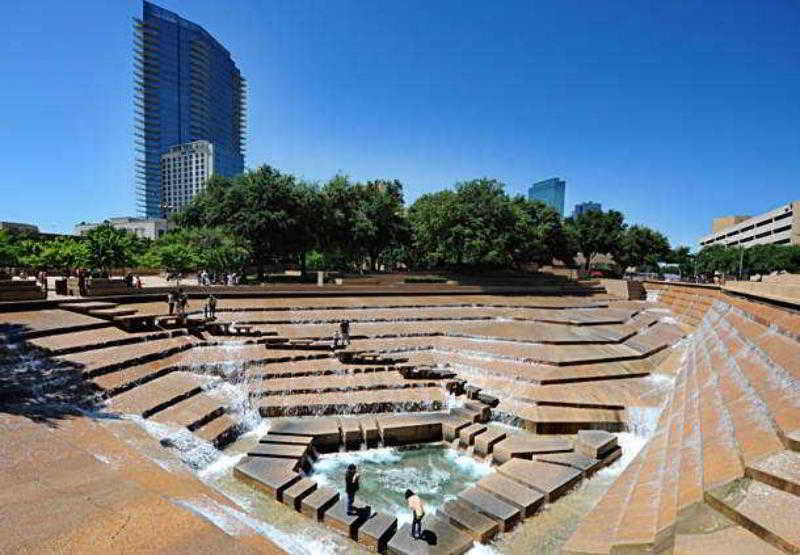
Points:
[147,228]
[185,168]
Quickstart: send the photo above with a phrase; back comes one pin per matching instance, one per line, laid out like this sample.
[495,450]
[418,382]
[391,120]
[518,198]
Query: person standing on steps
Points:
[211,307]
[417,511]
[344,325]
[351,486]
[171,302]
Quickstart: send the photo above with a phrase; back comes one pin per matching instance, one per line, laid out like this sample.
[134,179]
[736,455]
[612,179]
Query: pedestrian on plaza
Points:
[137,281]
[344,325]
[351,486]
[182,300]
[417,511]
[211,307]
[337,340]
[171,302]
[82,282]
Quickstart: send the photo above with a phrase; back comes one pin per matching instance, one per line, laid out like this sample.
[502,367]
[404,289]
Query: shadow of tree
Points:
[39,387]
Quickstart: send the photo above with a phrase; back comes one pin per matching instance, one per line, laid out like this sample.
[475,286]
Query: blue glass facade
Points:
[187,88]
[550,192]
[583,207]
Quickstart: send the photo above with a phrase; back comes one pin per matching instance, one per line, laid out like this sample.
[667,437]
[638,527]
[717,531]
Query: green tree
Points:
[685,260]
[64,253]
[639,245]
[9,250]
[539,234]
[277,215]
[110,248]
[596,232]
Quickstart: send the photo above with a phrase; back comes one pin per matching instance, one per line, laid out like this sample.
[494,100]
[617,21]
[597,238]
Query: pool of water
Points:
[434,472]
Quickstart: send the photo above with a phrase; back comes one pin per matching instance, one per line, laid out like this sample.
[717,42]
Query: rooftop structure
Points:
[187,88]
[718,224]
[776,227]
[551,192]
[146,228]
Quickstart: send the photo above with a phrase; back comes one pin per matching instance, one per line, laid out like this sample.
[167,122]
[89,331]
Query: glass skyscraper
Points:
[187,88]
[550,192]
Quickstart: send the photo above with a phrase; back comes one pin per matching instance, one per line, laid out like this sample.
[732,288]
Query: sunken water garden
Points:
[554,418]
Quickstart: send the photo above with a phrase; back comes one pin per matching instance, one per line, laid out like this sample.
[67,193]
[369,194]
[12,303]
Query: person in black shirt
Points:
[351,485]
[344,325]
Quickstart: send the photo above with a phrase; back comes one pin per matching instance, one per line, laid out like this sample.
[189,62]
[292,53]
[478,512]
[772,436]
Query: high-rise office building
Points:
[187,88]
[184,171]
[584,207]
[550,192]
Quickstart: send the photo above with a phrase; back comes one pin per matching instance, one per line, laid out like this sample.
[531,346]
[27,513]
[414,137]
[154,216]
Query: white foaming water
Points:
[235,523]
[642,422]
[482,549]
[468,464]
[194,452]
[328,462]
[669,320]
[453,402]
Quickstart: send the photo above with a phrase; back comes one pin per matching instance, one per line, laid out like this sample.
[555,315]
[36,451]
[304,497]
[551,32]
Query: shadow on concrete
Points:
[429,537]
[41,388]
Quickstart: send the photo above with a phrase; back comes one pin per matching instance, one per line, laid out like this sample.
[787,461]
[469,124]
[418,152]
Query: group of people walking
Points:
[177,301]
[206,279]
[413,500]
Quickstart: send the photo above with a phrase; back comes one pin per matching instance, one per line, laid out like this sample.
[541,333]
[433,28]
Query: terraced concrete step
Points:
[158,394]
[100,361]
[551,480]
[409,400]
[453,423]
[375,533]
[337,518]
[219,432]
[595,443]
[480,527]
[578,461]
[480,500]
[449,540]
[319,501]
[270,477]
[770,513]
[527,500]
[294,494]
[278,451]
[523,446]
[325,431]
[781,470]
[192,412]
[467,435]
[485,442]
[408,429]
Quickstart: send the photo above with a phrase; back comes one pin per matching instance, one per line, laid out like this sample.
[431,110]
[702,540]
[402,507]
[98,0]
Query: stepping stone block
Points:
[464,412]
[485,442]
[449,540]
[472,391]
[505,514]
[282,439]
[467,435]
[403,430]
[550,479]
[278,451]
[487,399]
[266,475]
[294,494]
[351,433]
[527,500]
[369,430]
[480,527]
[320,500]
[610,457]
[484,412]
[452,426]
[325,431]
[595,443]
[575,460]
[336,517]
[376,531]
[524,447]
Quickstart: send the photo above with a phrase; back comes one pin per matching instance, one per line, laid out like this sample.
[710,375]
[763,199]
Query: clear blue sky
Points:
[673,112]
